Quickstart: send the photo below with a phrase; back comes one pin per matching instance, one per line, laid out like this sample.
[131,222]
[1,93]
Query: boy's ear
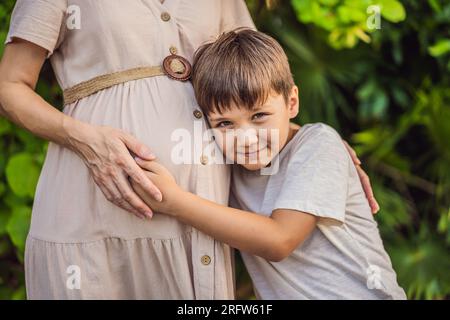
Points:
[293,103]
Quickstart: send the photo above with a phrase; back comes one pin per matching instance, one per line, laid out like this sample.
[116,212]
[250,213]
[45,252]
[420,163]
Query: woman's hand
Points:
[365,181]
[106,152]
[103,149]
[164,181]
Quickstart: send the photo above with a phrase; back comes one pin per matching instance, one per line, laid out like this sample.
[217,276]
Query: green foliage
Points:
[21,158]
[22,174]
[20,163]
[387,91]
[18,225]
[348,21]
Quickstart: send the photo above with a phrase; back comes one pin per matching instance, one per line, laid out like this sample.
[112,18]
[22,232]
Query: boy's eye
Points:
[259,115]
[223,124]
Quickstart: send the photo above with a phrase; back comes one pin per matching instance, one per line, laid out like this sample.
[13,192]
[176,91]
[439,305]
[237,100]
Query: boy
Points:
[304,227]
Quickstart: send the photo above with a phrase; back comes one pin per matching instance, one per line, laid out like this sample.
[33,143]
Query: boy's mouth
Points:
[252,153]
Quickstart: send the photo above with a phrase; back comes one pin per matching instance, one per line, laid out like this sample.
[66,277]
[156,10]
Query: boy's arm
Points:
[272,238]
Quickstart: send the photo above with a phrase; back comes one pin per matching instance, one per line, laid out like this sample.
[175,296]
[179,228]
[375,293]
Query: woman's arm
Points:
[19,72]
[364,178]
[273,238]
[103,149]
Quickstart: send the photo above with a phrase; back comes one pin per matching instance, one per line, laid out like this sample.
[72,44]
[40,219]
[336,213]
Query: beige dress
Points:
[76,234]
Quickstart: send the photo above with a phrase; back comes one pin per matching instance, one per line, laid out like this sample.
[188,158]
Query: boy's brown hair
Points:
[240,68]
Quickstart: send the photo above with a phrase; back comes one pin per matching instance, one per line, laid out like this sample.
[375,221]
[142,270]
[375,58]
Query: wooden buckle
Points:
[176,67]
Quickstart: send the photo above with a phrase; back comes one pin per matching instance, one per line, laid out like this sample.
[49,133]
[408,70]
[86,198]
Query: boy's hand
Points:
[365,181]
[164,181]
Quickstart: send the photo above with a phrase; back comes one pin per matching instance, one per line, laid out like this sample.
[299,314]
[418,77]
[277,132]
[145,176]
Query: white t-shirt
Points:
[344,257]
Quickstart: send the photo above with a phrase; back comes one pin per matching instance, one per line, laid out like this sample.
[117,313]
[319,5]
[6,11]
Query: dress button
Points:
[204,160]
[198,114]
[165,16]
[173,50]
[206,260]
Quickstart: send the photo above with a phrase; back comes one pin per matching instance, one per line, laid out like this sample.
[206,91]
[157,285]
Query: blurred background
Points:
[377,71]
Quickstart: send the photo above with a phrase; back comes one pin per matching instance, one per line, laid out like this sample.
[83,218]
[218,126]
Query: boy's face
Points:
[252,138]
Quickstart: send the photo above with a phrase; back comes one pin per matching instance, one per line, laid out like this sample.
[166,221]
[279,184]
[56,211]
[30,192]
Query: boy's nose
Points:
[247,138]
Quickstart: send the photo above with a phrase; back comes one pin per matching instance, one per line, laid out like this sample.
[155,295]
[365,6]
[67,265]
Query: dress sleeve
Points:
[38,21]
[235,14]
[317,176]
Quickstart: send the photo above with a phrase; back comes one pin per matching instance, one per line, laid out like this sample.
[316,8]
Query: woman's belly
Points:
[159,112]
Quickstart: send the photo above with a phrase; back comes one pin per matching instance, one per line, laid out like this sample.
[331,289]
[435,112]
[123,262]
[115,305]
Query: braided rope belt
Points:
[174,66]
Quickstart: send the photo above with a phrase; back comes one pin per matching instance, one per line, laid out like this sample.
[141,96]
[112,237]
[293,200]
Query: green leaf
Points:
[422,265]
[435,5]
[22,174]
[444,221]
[394,210]
[18,226]
[3,35]
[329,3]
[19,294]
[440,48]
[392,10]
[351,14]
[380,104]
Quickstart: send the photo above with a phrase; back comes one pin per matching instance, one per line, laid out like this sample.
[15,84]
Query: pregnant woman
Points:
[122,66]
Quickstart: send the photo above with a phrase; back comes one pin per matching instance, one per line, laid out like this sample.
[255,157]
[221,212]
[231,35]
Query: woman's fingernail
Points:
[158,196]
[149,154]
[149,214]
